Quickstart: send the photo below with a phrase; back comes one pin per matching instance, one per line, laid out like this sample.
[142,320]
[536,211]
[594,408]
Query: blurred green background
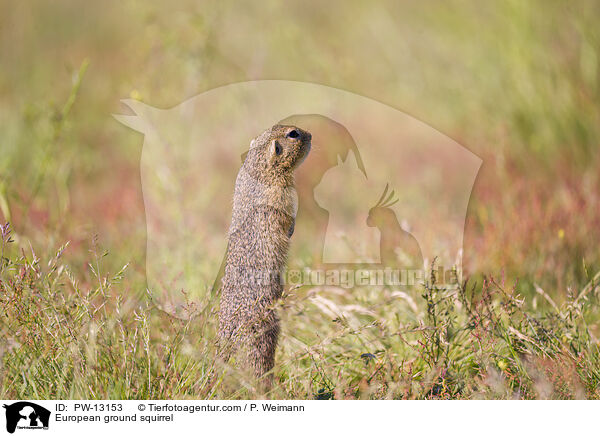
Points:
[515,82]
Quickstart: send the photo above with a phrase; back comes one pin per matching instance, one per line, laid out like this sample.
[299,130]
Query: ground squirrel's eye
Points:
[293,134]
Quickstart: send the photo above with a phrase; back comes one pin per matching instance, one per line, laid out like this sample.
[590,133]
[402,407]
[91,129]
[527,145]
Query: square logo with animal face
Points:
[25,415]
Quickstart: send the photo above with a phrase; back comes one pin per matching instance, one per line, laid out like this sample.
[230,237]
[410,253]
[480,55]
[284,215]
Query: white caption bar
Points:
[263,417]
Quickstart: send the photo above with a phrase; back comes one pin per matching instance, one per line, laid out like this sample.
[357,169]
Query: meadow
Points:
[517,83]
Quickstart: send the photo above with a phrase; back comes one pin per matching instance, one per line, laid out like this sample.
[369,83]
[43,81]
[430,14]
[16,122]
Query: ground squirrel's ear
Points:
[252,143]
[276,148]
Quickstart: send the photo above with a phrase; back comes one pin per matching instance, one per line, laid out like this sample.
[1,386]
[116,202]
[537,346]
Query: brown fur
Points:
[264,212]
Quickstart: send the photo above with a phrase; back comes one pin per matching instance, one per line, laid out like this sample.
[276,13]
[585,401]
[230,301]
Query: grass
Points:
[516,83]
[63,339]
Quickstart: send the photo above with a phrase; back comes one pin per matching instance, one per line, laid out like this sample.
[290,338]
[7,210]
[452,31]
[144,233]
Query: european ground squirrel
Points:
[264,213]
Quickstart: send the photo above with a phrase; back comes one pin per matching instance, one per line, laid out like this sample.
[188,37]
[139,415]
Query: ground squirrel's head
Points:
[275,153]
